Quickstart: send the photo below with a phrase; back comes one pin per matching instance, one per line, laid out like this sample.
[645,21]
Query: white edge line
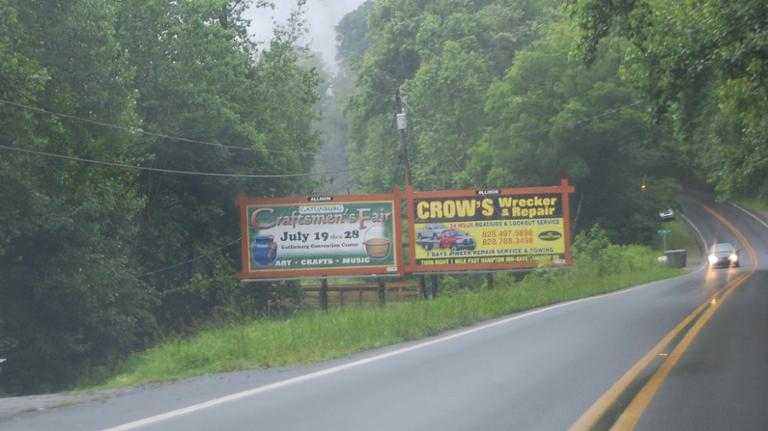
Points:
[317,374]
[701,239]
[749,213]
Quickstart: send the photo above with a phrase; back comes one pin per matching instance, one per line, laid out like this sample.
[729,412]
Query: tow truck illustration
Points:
[436,235]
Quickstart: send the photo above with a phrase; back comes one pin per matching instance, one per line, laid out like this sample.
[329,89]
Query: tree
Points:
[704,65]
[199,76]
[69,297]
[552,117]
[351,35]
[406,42]
[446,116]
[96,261]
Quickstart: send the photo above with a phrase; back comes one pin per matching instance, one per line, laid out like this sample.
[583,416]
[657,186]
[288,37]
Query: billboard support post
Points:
[397,197]
[435,285]
[566,189]
[382,292]
[324,293]
[412,238]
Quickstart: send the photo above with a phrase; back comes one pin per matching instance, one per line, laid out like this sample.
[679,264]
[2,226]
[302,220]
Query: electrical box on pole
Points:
[402,122]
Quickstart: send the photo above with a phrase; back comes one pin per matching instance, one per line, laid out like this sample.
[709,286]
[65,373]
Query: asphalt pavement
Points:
[539,370]
[721,383]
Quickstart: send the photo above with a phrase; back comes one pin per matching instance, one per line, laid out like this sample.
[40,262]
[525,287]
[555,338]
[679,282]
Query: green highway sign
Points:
[664,231]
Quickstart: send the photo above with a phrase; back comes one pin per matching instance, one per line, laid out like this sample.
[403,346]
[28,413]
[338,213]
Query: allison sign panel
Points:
[318,236]
[489,229]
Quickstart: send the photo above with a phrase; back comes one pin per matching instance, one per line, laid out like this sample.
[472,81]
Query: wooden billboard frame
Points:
[380,270]
[564,189]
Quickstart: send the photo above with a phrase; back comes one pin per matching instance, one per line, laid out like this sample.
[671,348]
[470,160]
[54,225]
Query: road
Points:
[682,354]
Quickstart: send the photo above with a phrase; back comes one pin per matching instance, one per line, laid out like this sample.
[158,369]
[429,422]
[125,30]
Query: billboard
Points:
[320,236]
[489,229]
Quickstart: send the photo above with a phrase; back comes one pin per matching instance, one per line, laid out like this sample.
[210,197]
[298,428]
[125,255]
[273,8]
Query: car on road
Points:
[667,215]
[723,255]
[456,240]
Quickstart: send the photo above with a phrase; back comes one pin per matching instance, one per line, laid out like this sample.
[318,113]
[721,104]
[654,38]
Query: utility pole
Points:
[402,127]
[405,161]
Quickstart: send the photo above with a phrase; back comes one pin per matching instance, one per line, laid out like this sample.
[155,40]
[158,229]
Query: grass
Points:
[317,336]
[753,202]
[680,237]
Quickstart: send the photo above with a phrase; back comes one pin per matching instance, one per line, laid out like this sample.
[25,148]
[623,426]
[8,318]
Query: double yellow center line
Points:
[695,321]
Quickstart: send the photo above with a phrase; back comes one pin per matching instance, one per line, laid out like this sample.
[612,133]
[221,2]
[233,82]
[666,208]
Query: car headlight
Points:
[712,259]
[734,257]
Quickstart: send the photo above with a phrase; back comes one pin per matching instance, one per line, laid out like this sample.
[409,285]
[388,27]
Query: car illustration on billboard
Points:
[438,236]
[430,231]
[456,240]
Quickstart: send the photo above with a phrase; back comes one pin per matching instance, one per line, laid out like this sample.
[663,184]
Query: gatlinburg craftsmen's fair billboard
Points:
[489,229]
[318,236]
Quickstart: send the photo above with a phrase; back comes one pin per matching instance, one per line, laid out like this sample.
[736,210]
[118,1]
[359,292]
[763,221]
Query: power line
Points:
[137,130]
[215,174]
[583,120]
[575,123]
[202,255]
[168,171]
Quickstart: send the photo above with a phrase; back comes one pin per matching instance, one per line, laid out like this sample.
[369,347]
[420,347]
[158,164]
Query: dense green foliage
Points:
[97,261]
[319,336]
[550,116]
[445,54]
[703,64]
[495,100]
[68,294]
[263,108]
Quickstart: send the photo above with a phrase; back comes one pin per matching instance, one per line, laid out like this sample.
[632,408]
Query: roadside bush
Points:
[449,285]
[590,244]
[594,255]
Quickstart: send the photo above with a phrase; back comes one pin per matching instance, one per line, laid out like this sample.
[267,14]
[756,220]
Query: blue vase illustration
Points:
[264,250]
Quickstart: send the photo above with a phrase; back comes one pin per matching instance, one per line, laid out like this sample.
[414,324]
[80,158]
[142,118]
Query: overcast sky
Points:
[321,15]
